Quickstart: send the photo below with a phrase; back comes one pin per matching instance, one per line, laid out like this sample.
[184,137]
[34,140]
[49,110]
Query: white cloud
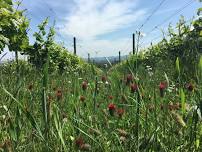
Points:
[93,18]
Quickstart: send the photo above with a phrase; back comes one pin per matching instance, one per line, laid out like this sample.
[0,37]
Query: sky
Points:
[104,27]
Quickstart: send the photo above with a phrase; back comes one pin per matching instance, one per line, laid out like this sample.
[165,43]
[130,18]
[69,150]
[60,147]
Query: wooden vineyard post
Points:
[88,57]
[74,46]
[119,56]
[133,43]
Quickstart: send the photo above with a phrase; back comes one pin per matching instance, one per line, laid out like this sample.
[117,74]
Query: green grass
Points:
[43,112]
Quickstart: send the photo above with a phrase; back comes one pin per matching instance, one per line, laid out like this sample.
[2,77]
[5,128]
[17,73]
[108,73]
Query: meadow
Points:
[56,101]
[104,112]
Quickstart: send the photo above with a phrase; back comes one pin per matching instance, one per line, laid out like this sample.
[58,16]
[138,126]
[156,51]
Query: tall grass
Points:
[45,120]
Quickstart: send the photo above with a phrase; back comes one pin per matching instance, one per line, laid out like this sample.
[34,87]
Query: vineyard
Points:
[57,101]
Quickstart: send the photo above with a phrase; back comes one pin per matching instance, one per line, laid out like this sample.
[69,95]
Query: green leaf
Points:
[199,11]
[177,65]
[182,98]
[12,131]
[27,113]
[58,127]
[200,64]
[197,143]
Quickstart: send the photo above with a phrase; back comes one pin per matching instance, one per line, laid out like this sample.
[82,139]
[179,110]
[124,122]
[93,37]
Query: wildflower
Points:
[111,108]
[162,106]
[98,90]
[6,146]
[179,119]
[177,106]
[30,87]
[122,132]
[162,87]
[100,82]
[190,87]
[94,131]
[120,112]
[82,98]
[150,98]
[84,85]
[79,142]
[107,83]
[64,116]
[151,107]
[173,106]
[123,139]
[50,98]
[59,94]
[129,78]
[85,147]
[133,88]
[104,79]
[110,97]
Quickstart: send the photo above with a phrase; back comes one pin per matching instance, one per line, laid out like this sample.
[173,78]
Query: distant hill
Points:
[103,60]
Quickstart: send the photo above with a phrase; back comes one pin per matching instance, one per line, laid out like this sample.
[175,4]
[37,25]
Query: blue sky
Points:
[104,27]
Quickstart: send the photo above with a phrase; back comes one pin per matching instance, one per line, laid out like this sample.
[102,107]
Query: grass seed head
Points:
[30,87]
[133,88]
[82,98]
[104,79]
[111,108]
[59,94]
[110,97]
[178,119]
[129,78]
[79,142]
[84,85]
[190,87]
[162,87]
[120,112]
[122,132]
[85,147]
[123,139]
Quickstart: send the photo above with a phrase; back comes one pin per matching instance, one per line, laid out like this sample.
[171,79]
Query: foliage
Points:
[39,51]
[60,59]
[13,33]
[13,27]
[184,44]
